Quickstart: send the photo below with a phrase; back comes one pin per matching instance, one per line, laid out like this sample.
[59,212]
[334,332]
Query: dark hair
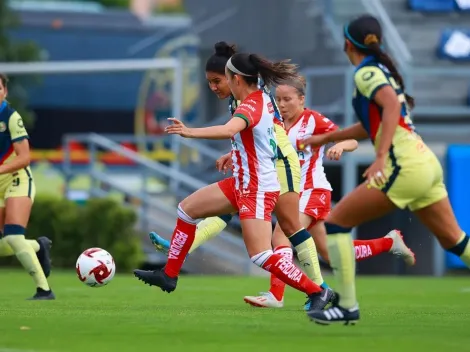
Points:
[4,79]
[217,61]
[365,33]
[250,66]
[299,84]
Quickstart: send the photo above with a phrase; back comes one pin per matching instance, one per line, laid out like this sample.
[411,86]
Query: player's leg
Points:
[18,205]
[287,213]
[205,231]
[256,227]
[361,205]
[274,297]
[41,247]
[435,212]
[215,199]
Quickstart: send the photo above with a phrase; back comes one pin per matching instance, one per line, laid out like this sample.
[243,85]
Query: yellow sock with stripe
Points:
[343,263]
[7,251]
[462,249]
[208,229]
[307,255]
[14,237]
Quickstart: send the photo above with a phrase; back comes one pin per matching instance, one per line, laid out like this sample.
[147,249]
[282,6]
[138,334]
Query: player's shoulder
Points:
[254,103]
[369,72]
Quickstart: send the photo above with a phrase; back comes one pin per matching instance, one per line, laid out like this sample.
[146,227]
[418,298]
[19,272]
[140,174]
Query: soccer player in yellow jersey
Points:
[405,173]
[16,198]
[288,170]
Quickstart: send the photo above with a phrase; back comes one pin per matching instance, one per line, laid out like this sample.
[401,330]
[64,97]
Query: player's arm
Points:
[374,85]
[348,145]
[226,131]
[19,139]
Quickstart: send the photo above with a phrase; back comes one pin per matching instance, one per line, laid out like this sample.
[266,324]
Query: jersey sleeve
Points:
[323,124]
[369,80]
[249,113]
[16,127]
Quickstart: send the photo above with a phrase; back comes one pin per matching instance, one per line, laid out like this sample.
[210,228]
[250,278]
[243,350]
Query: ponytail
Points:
[252,66]
[387,61]
[274,73]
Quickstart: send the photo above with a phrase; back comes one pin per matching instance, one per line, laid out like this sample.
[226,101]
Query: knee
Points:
[289,224]
[183,214]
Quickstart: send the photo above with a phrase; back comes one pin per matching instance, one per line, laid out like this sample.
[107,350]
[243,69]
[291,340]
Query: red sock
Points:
[181,242]
[277,286]
[371,248]
[286,271]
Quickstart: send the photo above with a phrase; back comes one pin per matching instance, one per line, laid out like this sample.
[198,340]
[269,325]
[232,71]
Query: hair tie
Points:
[371,39]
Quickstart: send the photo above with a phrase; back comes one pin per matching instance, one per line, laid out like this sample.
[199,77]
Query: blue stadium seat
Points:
[432,5]
[454,45]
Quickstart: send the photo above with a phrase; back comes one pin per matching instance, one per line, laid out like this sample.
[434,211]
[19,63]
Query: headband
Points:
[237,71]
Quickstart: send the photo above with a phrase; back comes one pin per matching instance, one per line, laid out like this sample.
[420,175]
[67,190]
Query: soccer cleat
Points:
[264,300]
[161,244]
[44,254]
[42,295]
[400,249]
[157,278]
[319,300]
[332,297]
[335,315]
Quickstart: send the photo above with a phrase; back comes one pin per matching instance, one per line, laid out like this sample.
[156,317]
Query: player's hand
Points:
[224,163]
[314,141]
[335,152]
[375,173]
[178,127]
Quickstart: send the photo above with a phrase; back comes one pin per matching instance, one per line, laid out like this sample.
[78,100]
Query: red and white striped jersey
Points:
[311,159]
[254,149]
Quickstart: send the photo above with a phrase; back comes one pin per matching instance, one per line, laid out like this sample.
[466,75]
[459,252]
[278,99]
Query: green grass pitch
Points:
[208,314]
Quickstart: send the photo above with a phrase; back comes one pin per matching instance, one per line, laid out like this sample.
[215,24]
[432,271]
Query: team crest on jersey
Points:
[270,108]
[3,126]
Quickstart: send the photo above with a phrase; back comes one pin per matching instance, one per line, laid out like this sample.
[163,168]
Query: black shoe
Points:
[44,254]
[319,300]
[42,295]
[332,298]
[157,278]
[335,315]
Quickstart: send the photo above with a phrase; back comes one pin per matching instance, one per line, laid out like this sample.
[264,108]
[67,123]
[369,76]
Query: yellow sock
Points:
[207,229]
[462,249]
[307,255]
[7,251]
[343,263]
[27,257]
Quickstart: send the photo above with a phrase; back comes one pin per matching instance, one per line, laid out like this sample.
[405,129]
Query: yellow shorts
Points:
[415,180]
[17,184]
[287,164]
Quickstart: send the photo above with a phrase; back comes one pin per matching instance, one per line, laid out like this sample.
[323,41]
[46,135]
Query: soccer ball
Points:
[95,267]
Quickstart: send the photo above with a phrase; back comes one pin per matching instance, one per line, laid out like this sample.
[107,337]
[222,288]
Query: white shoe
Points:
[264,300]
[400,249]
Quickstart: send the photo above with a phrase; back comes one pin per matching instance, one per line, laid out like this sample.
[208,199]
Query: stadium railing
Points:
[149,204]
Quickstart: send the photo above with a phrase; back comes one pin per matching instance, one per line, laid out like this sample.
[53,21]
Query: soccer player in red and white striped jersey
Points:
[254,188]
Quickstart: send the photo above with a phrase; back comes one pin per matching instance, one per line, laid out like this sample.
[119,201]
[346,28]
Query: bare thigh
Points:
[318,232]
[207,201]
[257,235]
[439,218]
[361,205]
[17,210]
[287,213]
